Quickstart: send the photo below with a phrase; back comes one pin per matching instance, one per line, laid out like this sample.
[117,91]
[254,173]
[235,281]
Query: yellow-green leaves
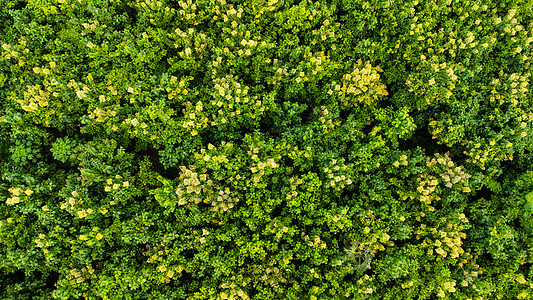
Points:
[362,85]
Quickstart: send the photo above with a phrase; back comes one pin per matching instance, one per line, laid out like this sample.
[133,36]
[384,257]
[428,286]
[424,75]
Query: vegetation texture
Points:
[266,149]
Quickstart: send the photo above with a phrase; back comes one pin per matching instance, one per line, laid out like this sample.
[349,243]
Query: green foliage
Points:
[259,149]
[62,149]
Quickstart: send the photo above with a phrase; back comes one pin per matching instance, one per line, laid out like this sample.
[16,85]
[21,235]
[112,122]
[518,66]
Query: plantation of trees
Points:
[266,149]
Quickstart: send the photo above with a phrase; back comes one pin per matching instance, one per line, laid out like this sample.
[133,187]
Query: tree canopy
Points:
[218,149]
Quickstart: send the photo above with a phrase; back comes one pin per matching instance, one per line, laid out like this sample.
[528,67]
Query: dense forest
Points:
[266,149]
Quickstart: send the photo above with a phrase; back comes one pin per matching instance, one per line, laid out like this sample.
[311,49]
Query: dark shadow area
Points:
[422,138]
[51,279]
[20,5]
[305,116]
[18,276]
[386,102]
[368,128]
[268,126]
[130,11]
[484,193]
[519,165]
[347,195]
[143,150]
[56,133]
[199,77]
[344,114]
